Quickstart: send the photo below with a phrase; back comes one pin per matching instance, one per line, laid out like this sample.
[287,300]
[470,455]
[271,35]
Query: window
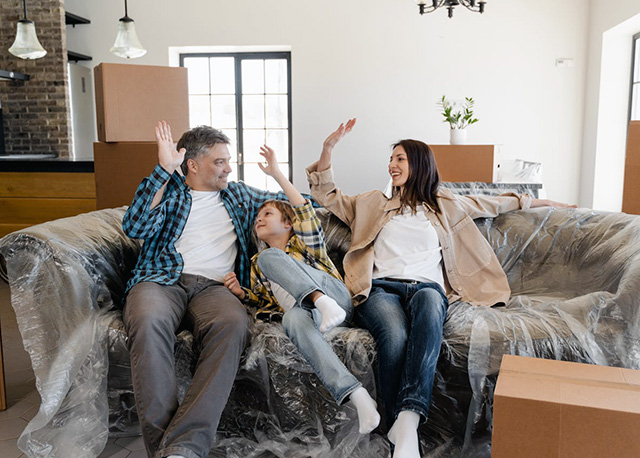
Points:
[634,109]
[248,97]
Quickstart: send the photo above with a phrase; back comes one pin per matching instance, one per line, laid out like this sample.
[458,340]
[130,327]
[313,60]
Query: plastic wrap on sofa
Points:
[575,278]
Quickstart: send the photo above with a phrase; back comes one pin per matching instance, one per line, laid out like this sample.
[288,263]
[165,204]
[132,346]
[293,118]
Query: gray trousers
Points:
[220,326]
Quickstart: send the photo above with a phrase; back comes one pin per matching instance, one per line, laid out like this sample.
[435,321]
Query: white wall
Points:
[385,64]
[612,26]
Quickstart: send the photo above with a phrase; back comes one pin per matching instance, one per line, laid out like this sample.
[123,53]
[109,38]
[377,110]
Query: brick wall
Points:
[37,116]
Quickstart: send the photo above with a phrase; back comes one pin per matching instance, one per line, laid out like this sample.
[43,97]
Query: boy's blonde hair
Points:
[284,207]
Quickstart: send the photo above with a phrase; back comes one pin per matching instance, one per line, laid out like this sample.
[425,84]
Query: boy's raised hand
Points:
[272,169]
[231,282]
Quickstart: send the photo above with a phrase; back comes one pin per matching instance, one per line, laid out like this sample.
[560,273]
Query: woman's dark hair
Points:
[424,179]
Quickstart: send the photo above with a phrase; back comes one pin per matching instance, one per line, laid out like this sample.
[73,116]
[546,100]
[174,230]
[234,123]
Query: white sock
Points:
[404,435]
[332,313]
[368,415]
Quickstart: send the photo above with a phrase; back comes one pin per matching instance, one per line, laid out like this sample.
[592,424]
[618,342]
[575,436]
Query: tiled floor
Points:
[23,399]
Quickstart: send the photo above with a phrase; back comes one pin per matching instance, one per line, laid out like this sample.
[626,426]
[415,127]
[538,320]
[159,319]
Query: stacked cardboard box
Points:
[130,100]
[631,193]
[548,409]
[462,163]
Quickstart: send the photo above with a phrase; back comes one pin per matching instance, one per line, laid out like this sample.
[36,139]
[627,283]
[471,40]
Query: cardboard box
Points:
[131,99]
[631,193]
[119,168]
[461,163]
[546,408]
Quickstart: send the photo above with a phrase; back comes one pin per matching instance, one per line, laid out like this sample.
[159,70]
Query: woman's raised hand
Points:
[168,157]
[338,134]
[272,169]
[327,147]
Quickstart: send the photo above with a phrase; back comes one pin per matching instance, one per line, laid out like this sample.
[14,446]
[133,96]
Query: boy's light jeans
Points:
[301,322]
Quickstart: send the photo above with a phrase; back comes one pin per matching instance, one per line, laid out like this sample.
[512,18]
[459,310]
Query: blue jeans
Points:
[406,322]
[301,322]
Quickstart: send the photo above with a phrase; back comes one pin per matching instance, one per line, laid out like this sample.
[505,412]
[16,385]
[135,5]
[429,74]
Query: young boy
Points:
[296,275]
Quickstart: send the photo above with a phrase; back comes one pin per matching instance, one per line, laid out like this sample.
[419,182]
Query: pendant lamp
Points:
[26,44]
[127,44]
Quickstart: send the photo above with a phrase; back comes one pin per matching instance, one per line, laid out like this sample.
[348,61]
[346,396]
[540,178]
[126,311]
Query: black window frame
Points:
[238,58]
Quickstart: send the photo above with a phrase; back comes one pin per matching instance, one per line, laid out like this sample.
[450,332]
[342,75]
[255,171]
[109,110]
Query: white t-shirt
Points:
[408,248]
[208,241]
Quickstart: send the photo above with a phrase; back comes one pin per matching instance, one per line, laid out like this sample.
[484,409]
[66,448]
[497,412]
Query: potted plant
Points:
[459,116]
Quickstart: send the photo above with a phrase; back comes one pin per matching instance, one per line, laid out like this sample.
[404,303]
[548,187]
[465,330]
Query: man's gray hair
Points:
[197,142]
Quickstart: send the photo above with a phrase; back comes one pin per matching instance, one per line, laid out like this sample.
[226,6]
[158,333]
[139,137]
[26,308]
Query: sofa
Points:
[575,279]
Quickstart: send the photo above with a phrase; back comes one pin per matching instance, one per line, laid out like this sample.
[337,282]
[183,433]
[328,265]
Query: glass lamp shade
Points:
[127,44]
[26,45]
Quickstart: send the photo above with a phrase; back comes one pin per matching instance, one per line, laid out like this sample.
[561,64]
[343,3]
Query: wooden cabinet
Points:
[28,198]
[461,163]
[631,192]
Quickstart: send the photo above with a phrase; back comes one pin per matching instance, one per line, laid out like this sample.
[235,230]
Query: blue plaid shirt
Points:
[160,227]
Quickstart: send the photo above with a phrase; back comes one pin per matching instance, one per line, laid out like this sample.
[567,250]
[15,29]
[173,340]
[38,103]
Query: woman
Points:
[411,255]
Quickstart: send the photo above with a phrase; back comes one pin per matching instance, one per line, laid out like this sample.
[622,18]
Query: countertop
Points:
[41,163]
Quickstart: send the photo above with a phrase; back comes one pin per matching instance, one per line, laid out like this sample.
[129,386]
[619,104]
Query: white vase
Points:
[458,136]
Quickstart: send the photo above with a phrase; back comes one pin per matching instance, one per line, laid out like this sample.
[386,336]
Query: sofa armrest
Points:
[64,277]
[564,252]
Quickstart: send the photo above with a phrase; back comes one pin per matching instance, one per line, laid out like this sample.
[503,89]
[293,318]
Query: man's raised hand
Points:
[168,157]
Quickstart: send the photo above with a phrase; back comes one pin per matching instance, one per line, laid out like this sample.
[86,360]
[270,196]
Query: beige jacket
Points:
[471,269]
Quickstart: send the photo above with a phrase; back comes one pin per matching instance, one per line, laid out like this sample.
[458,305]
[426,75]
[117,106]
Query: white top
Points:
[408,248]
[208,241]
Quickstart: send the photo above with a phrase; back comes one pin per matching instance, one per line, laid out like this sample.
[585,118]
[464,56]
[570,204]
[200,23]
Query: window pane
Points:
[223,111]
[253,111]
[253,76]
[272,185]
[233,146]
[279,141]
[253,176]
[635,103]
[636,71]
[198,74]
[253,139]
[276,76]
[223,75]
[199,111]
[276,110]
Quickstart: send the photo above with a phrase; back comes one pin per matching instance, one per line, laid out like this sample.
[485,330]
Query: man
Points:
[196,227]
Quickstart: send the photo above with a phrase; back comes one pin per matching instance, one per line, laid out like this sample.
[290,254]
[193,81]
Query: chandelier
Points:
[430,6]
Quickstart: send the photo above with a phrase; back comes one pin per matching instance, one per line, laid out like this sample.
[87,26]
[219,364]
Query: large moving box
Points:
[131,99]
[119,169]
[546,408]
[461,163]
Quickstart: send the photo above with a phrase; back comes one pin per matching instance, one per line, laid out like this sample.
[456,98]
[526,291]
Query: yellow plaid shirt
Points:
[305,245]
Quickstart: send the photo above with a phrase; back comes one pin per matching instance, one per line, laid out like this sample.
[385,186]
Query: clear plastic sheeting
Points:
[575,276]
